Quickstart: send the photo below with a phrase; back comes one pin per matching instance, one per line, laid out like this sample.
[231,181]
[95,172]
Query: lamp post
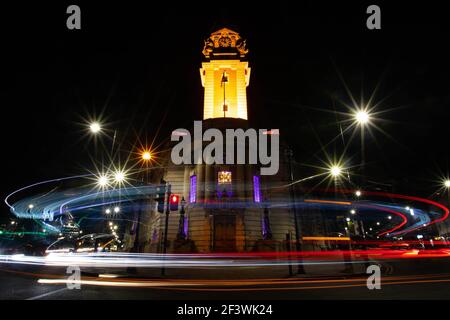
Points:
[166,225]
[362,118]
[290,155]
[447,186]
[146,157]
[335,172]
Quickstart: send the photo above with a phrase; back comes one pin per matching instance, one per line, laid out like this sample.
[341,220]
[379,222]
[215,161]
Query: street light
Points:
[447,183]
[95,127]
[353,211]
[362,117]
[30,206]
[146,156]
[102,181]
[119,176]
[335,171]
[116,209]
[358,193]
[108,211]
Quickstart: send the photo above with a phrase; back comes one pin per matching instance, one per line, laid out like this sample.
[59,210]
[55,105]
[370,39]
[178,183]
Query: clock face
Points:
[224,177]
[225,42]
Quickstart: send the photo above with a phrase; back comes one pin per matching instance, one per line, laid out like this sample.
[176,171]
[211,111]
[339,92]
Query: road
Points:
[411,279]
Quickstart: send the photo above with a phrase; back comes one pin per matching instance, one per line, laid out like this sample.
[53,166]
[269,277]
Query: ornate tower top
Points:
[224,43]
[225,75]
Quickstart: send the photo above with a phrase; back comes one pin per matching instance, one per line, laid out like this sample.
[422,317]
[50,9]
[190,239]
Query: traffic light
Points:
[160,198]
[174,200]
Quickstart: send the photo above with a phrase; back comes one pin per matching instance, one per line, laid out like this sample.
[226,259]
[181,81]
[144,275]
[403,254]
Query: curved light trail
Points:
[54,203]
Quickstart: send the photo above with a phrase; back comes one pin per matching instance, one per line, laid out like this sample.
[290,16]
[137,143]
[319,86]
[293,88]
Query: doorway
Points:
[225,233]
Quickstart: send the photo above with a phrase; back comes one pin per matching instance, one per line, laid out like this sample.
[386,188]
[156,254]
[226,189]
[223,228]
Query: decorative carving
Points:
[224,38]
[240,45]
[208,48]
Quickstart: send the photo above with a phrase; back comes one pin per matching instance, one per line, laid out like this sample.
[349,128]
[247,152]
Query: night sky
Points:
[138,66]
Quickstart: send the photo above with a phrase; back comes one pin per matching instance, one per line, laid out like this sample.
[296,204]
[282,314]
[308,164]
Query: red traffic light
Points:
[174,200]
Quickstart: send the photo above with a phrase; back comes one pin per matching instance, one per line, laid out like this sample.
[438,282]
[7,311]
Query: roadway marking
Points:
[46,294]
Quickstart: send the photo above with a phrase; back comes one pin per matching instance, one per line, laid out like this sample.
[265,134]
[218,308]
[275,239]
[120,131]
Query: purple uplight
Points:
[193,190]
[256,189]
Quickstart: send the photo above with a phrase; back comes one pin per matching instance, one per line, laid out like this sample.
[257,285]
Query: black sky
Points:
[139,66]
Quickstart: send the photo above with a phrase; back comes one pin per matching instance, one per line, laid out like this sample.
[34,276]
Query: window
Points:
[224,177]
[193,190]
[256,189]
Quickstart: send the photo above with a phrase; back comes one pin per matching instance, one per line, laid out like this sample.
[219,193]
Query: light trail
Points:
[53,204]
[41,183]
[263,259]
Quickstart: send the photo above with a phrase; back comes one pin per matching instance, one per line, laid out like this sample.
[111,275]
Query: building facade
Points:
[226,207]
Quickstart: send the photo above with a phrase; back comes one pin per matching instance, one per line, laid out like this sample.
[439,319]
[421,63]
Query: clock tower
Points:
[225,75]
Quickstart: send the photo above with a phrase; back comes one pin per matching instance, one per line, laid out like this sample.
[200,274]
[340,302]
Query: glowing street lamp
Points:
[358,193]
[95,127]
[146,156]
[116,209]
[335,171]
[102,181]
[447,183]
[362,117]
[30,206]
[108,211]
[119,176]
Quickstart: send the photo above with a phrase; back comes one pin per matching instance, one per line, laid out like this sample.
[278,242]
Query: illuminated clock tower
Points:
[227,207]
[225,76]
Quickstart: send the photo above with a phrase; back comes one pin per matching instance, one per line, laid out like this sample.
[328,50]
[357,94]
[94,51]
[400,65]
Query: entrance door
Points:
[224,233]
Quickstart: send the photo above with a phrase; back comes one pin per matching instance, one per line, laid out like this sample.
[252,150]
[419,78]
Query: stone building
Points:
[228,207]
